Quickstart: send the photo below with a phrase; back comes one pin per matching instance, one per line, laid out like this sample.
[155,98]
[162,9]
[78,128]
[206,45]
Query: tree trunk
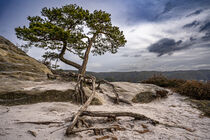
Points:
[80,94]
[80,111]
[87,52]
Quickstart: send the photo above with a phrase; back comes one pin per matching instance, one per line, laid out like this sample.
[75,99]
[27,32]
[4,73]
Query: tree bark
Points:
[87,52]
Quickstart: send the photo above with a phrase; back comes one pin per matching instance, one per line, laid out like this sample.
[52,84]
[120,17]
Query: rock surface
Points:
[17,64]
[173,110]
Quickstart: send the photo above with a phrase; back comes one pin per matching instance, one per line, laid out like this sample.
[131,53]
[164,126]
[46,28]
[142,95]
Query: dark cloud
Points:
[197,12]
[166,46]
[205,27]
[173,8]
[206,37]
[193,24]
[168,7]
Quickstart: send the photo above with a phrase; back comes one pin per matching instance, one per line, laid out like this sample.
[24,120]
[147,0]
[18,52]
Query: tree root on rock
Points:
[119,100]
[83,108]
[40,122]
[114,115]
[118,114]
[78,121]
[99,130]
[113,87]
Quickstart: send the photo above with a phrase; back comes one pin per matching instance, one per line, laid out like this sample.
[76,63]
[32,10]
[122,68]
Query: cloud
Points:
[166,46]
[205,27]
[124,55]
[144,23]
[197,12]
[193,24]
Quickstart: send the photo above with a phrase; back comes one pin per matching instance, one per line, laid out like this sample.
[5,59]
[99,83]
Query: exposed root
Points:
[40,122]
[100,130]
[142,131]
[178,126]
[119,99]
[77,121]
[118,114]
[83,108]
[113,87]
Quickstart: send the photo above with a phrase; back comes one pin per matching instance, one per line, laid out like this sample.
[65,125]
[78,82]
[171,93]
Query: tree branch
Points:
[61,57]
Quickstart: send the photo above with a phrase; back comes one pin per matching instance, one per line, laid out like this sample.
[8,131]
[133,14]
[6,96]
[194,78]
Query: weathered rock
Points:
[35,96]
[16,92]
[17,64]
[97,100]
[146,97]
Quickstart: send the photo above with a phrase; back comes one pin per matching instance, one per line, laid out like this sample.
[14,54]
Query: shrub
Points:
[162,93]
[164,82]
[195,89]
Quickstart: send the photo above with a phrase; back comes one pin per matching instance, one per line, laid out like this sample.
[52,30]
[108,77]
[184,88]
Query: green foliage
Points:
[73,27]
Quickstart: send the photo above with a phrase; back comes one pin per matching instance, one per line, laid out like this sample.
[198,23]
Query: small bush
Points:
[195,89]
[162,93]
[203,105]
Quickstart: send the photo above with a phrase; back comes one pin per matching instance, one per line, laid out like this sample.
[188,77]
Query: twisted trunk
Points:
[61,57]
[87,52]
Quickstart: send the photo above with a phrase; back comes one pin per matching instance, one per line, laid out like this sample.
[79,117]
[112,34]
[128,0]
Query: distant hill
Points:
[143,75]
[138,76]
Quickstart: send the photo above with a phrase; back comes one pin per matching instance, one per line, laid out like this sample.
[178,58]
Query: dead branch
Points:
[83,108]
[99,131]
[40,122]
[130,114]
[178,126]
[118,114]
[120,100]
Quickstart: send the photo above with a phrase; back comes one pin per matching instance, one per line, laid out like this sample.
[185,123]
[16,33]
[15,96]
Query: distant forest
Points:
[135,76]
[138,76]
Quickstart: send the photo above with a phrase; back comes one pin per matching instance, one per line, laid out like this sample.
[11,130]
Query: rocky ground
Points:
[173,110]
[27,95]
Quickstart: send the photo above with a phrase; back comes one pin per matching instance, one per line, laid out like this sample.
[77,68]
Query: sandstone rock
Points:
[16,63]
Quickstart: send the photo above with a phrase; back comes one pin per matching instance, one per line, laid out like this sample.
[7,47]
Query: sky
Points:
[162,35]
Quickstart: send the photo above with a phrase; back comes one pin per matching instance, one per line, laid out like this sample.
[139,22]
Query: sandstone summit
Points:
[17,64]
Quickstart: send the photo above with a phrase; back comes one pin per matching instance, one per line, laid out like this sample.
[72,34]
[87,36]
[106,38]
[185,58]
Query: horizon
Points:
[164,35]
[138,71]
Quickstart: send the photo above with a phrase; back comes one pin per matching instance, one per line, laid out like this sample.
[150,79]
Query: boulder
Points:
[148,96]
